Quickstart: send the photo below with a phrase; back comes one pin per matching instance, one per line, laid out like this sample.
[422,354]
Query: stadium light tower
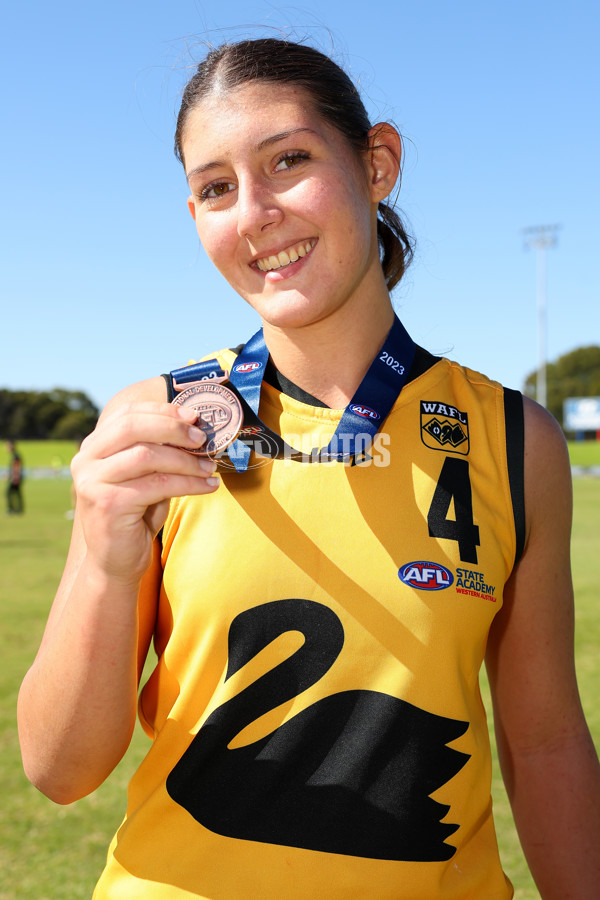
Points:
[541,237]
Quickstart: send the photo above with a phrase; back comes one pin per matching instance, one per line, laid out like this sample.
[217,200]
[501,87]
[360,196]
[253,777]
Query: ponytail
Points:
[396,246]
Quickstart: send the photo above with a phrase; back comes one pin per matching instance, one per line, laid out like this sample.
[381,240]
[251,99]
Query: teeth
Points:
[285,257]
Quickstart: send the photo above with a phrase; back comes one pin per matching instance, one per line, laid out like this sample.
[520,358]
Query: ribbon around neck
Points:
[360,421]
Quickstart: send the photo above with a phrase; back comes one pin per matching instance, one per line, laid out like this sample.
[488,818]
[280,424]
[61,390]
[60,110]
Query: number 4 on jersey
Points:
[454,484]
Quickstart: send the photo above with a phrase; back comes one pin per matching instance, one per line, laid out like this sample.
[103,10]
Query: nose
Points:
[257,207]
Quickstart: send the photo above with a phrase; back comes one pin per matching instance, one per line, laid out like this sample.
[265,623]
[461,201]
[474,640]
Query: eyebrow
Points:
[267,142]
[281,136]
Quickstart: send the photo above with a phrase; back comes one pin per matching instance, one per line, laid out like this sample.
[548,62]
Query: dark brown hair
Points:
[335,98]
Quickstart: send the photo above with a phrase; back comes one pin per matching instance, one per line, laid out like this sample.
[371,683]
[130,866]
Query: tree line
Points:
[576,374]
[38,415]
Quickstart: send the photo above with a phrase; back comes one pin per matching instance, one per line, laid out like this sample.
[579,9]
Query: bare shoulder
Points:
[149,390]
[547,468]
[541,428]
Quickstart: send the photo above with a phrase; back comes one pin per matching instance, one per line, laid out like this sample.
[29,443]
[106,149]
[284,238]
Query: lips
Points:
[286,257]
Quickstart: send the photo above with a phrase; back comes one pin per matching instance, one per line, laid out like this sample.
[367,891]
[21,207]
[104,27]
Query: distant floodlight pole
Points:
[541,237]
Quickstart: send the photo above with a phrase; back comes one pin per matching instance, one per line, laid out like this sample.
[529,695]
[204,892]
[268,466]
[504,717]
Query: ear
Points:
[384,155]
[191,207]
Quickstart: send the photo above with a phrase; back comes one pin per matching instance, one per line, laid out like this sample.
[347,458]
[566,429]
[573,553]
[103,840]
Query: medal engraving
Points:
[219,415]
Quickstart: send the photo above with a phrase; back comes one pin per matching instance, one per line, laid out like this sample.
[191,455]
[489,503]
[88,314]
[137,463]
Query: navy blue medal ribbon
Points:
[360,422]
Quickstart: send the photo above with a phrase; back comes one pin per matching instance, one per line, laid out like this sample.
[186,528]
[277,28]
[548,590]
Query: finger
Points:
[132,499]
[158,423]
[115,510]
[144,459]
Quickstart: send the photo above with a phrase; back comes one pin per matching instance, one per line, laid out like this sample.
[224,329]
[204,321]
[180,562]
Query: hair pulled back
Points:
[335,98]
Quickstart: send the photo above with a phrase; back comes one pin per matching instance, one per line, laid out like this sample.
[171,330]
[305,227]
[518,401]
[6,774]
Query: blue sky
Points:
[102,281]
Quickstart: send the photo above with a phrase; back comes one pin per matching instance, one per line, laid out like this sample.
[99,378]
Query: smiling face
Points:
[283,206]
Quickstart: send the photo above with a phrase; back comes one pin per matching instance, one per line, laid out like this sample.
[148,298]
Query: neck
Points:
[329,358]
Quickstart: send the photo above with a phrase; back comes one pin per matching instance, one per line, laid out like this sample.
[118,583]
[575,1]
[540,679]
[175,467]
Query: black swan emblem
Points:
[351,774]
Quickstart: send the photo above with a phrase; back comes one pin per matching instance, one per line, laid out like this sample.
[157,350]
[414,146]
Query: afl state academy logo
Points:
[244,368]
[444,427]
[426,576]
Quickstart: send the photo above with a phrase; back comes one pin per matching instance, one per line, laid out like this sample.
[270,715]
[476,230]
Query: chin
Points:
[290,310]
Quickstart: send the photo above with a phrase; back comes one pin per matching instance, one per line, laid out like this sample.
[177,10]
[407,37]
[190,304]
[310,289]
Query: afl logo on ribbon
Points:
[426,576]
[244,368]
[365,411]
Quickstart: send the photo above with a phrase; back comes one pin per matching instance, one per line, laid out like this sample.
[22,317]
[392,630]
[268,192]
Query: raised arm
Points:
[77,703]
[547,756]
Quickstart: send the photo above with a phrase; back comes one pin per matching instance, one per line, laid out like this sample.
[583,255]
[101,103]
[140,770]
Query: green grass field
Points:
[584,453]
[49,852]
[46,454]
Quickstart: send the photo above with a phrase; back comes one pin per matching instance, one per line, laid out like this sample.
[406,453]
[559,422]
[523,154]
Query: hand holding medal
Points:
[219,411]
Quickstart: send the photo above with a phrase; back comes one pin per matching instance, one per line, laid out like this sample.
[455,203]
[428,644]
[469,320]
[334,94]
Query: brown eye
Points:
[216,190]
[291,160]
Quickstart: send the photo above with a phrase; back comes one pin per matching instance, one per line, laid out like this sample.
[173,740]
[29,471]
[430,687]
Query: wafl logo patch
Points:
[444,427]
[426,576]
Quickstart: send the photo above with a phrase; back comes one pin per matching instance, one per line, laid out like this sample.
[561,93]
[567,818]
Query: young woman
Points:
[320,606]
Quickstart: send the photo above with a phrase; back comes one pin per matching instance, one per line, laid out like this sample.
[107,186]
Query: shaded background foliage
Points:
[576,374]
[37,415]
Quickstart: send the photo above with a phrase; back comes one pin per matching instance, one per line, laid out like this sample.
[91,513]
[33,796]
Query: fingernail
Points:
[213,482]
[187,412]
[208,465]
[197,435]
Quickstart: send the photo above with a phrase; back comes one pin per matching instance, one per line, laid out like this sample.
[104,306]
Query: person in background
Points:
[14,494]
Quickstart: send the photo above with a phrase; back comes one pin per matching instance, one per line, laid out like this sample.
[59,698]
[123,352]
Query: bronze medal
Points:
[219,411]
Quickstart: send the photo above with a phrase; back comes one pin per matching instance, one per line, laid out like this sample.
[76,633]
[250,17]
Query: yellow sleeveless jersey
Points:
[315,712]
